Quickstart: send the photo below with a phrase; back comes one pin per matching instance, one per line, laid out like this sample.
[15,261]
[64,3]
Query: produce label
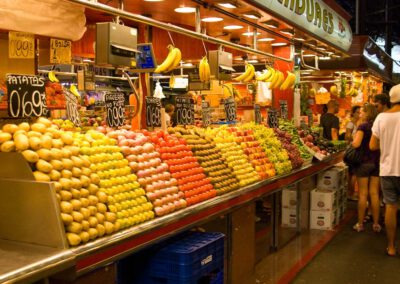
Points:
[21,45]
[153,112]
[26,96]
[257,114]
[184,110]
[230,109]
[115,109]
[284,109]
[206,113]
[60,51]
[273,118]
[72,107]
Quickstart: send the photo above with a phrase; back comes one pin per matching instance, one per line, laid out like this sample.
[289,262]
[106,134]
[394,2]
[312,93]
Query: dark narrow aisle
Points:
[352,257]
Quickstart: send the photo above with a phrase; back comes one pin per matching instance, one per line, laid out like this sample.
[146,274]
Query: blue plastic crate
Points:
[216,277]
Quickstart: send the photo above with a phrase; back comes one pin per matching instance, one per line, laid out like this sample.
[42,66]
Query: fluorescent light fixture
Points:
[252,15]
[233,27]
[185,10]
[271,23]
[252,61]
[324,58]
[335,55]
[187,64]
[228,4]
[287,31]
[312,43]
[250,33]
[278,44]
[212,19]
[299,38]
[265,39]
[238,58]
[321,48]
[309,55]
[305,72]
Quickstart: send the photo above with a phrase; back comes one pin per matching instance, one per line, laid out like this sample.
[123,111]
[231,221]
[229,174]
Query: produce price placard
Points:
[153,112]
[273,118]
[206,113]
[60,51]
[21,45]
[26,96]
[72,107]
[257,114]
[284,109]
[115,109]
[230,109]
[184,110]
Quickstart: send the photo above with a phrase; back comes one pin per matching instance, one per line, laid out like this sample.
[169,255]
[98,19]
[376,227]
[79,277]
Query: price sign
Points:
[21,45]
[115,109]
[72,107]
[273,118]
[284,109]
[230,109]
[60,51]
[184,110]
[257,114]
[206,113]
[26,96]
[153,112]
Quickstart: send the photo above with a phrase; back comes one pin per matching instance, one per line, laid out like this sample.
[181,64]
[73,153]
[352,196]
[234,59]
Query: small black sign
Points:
[230,109]
[115,109]
[153,112]
[273,118]
[26,96]
[206,113]
[257,114]
[184,110]
[72,107]
[284,109]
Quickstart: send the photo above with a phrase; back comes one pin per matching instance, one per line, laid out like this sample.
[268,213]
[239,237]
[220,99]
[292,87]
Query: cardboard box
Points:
[308,183]
[289,218]
[330,179]
[323,199]
[289,197]
[322,220]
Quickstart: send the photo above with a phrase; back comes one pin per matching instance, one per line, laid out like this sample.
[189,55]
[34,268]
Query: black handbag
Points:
[353,156]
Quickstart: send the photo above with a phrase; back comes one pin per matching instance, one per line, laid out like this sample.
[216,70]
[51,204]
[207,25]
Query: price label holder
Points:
[206,113]
[273,118]
[284,109]
[257,114]
[72,107]
[153,112]
[230,109]
[184,110]
[26,96]
[21,45]
[60,51]
[115,109]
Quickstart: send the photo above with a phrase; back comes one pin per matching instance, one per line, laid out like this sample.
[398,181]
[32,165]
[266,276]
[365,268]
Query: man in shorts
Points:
[386,137]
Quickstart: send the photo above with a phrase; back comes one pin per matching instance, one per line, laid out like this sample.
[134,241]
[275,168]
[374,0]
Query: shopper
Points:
[169,114]
[330,122]
[367,172]
[351,127]
[382,102]
[386,137]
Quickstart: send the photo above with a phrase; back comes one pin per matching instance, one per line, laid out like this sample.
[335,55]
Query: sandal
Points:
[376,228]
[358,227]
[367,218]
[389,254]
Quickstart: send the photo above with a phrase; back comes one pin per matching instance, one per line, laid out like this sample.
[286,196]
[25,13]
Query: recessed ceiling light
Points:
[228,4]
[212,19]
[252,61]
[299,38]
[271,23]
[266,39]
[309,55]
[185,10]
[250,33]
[287,31]
[321,48]
[233,27]
[324,58]
[252,15]
[278,44]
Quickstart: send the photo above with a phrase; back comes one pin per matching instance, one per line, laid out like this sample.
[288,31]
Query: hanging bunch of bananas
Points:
[277,78]
[247,75]
[172,81]
[289,81]
[172,60]
[352,92]
[204,70]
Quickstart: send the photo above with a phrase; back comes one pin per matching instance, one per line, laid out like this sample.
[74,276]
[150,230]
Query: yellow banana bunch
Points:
[352,92]
[172,81]
[52,77]
[204,70]
[264,75]
[74,90]
[172,60]
[289,81]
[247,75]
[276,79]
[270,75]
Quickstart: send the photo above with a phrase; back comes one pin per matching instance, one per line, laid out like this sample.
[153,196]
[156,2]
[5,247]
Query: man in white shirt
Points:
[386,137]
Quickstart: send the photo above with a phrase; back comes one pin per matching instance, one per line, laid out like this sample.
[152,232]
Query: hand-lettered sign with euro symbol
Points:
[184,110]
[153,112]
[230,109]
[115,109]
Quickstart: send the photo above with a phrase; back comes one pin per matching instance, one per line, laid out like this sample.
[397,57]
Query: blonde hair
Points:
[370,112]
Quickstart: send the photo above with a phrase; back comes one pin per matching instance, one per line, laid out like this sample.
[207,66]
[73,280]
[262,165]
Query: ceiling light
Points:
[233,27]
[299,38]
[312,43]
[185,10]
[266,39]
[287,31]
[212,19]
[324,58]
[252,61]
[188,64]
[278,44]
[228,4]
[238,58]
[309,55]
[335,55]
[252,15]
[321,48]
[250,33]
[271,23]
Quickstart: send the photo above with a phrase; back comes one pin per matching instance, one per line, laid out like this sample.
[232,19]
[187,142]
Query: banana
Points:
[289,81]
[251,75]
[204,70]
[172,60]
[271,73]
[274,79]
[52,77]
[171,81]
[264,75]
[280,80]
[248,71]
[75,91]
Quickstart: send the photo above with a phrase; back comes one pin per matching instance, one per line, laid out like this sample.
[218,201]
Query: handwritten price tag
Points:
[72,107]
[115,108]
[230,109]
[257,114]
[206,113]
[21,45]
[184,110]
[153,112]
[60,51]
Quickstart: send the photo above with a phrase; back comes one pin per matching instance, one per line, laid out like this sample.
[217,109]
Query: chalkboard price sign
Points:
[206,113]
[26,96]
[153,112]
[184,110]
[115,109]
[257,114]
[284,109]
[230,109]
[273,118]
[72,107]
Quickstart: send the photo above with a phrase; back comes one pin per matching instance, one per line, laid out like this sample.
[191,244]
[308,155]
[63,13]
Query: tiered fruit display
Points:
[210,159]
[184,167]
[272,147]
[234,155]
[152,173]
[316,143]
[255,153]
[125,197]
[292,150]
[296,140]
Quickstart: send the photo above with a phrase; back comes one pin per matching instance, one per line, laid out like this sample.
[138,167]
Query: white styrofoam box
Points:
[330,179]
[322,220]
[289,217]
[289,197]
[323,199]
[308,183]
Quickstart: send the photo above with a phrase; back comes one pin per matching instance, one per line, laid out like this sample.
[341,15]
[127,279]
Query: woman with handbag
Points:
[367,171]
